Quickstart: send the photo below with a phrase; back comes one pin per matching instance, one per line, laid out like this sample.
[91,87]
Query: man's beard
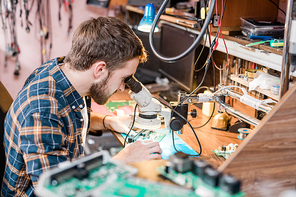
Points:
[98,92]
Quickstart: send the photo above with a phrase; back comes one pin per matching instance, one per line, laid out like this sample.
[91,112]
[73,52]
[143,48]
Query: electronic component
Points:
[199,166]
[225,151]
[98,175]
[202,178]
[229,184]
[82,176]
[211,176]
[181,162]
[144,134]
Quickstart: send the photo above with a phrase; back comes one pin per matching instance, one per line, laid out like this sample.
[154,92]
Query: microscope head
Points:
[149,107]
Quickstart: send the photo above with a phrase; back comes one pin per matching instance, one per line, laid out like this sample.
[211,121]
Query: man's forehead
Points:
[129,68]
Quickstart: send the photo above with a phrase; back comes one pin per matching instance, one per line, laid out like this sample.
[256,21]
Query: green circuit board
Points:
[112,180]
[147,134]
[113,105]
[98,175]
[75,186]
[144,134]
[136,187]
[190,180]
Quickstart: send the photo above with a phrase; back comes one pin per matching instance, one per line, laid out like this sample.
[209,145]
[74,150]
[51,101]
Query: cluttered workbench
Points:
[267,155]
[209,138]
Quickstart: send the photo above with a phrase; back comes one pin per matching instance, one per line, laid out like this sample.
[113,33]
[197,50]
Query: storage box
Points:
[256,26]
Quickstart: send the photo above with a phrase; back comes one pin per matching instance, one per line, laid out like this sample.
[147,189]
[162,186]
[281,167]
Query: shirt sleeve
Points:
[42,143]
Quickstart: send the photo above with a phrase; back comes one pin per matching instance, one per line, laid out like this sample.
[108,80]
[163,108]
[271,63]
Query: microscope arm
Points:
[236,113]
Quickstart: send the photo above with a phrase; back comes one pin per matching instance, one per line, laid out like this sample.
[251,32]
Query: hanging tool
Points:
[28,9]
[9,24]
[43,15]
[59,13]
[4,27]
[68,4]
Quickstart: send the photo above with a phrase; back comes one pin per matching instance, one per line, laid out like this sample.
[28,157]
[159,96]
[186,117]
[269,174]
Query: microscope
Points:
[150,108]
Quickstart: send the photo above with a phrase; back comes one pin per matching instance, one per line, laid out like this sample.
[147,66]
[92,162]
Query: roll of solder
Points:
[243,132]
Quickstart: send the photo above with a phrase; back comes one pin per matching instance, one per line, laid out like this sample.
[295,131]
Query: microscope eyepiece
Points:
[133,84]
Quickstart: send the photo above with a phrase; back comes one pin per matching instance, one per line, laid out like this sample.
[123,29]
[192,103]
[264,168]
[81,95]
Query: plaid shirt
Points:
[42,128]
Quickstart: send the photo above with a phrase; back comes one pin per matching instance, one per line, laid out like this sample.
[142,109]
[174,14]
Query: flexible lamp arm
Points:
[195,43]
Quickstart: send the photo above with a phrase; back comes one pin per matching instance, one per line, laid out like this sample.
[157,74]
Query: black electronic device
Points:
[148,71]
[175,40]
[99,3]
[156,3]
[200,176]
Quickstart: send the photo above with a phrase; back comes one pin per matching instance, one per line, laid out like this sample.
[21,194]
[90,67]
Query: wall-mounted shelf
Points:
[263,55]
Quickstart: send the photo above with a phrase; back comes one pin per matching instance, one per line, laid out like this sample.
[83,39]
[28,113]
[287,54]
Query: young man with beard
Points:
[48,121]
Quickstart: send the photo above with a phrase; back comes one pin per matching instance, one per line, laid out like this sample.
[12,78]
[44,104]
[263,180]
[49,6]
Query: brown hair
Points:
[104,39]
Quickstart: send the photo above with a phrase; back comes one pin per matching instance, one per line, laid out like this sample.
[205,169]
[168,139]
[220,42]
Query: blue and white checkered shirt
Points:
[42,128]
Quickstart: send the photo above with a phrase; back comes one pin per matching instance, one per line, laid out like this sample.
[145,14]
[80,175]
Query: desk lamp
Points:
[148,18]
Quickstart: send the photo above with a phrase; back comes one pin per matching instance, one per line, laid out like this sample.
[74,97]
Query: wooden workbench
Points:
[264,161]
[209,138]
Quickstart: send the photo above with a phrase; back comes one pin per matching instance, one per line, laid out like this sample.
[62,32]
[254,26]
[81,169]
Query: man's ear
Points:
[99,69]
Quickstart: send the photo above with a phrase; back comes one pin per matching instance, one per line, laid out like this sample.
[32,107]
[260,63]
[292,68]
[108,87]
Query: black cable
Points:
[4,27]
[21,13]
[131,126]
[70,18]
[278,7]
[196,89]
[207,120]
[199,55]
[59,12]
[195,43]
[214,78]
[200,148]
[203,78]
[27,13]
[223,11]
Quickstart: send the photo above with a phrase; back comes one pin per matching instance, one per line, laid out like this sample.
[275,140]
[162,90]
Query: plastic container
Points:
[257,26]
[275,89]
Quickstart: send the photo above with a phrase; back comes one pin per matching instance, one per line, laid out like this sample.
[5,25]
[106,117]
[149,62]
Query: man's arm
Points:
[114,123]
[43,144]
[132,153]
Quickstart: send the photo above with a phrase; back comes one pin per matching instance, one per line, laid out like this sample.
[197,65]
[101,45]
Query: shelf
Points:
[265,56]
[239,80]
[262,55]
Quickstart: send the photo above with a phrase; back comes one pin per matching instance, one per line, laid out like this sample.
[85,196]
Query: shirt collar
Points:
[72,96]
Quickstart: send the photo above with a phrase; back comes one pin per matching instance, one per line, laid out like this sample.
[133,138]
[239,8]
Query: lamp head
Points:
[148,18]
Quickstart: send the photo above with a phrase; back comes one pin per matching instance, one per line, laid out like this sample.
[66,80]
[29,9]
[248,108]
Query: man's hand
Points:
[118,123]
[140,150]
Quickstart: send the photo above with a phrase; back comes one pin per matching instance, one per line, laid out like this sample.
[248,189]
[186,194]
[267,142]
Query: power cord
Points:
[200,148]
[278,7]
[135,108]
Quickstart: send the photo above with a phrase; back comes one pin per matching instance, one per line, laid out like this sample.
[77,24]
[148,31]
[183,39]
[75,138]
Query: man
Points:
[48,121]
